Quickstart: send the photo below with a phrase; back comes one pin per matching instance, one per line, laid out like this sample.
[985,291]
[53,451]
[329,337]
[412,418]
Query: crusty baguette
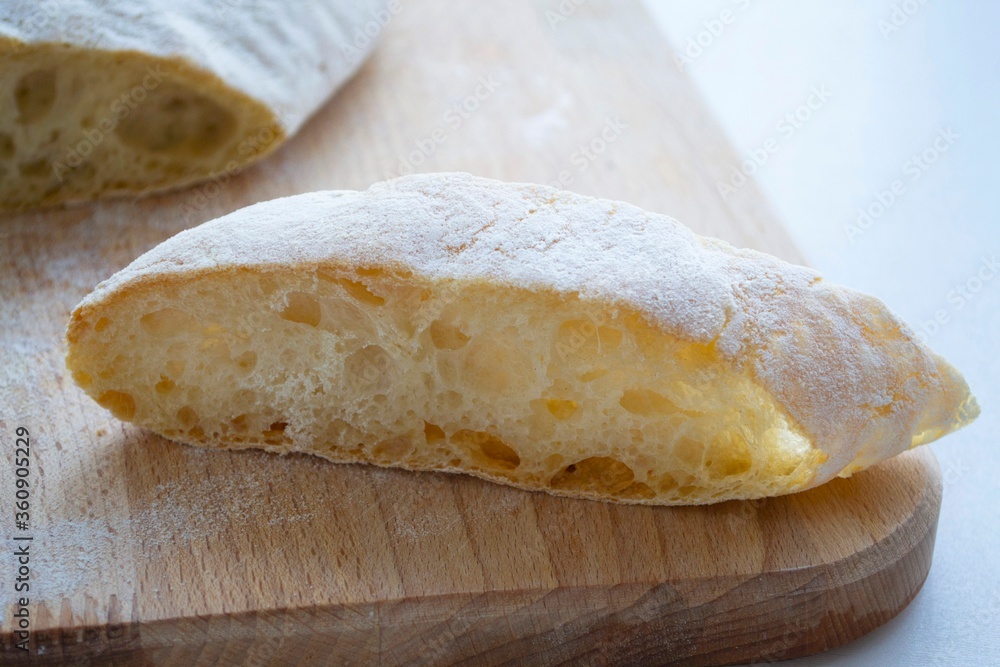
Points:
[105,97]
[515,332]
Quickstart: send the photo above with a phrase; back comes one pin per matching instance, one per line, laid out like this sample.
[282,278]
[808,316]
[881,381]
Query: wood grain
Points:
[147,552]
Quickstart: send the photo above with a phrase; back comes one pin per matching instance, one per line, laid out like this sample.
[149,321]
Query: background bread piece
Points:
[105,97]
[530,336]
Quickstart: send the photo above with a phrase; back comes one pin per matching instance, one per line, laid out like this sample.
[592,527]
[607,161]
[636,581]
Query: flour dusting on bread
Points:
[516,332]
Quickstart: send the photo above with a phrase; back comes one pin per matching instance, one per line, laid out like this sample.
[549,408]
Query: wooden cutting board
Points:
[147,552]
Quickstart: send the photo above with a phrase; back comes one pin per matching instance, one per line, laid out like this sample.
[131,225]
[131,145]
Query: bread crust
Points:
[846,370]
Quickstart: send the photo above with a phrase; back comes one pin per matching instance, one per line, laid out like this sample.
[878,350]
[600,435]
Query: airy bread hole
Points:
[35,169]
[433,433]
[167,322]
[275,434]
[7,149]
[102,324]
[177,121]
[667,484]
[447,336]
[247,361]
[240,423]
[596,374]
[187,417]
[487,448]
[393,450]
[165,385]
[728,455]
[647,403]
[121,404]
[361,292]
[597,474]
[638,490]
[302,308]
[35,95]
[561,409]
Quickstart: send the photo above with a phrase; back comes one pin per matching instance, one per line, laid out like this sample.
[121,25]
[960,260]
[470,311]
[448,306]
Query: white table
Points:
[897,104]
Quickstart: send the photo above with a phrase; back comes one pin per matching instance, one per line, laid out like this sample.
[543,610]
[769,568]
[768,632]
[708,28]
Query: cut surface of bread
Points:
[528,336]
[186,127]
[108,97]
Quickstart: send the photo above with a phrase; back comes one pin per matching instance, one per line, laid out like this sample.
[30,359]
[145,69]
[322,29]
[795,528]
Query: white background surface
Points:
[892,91]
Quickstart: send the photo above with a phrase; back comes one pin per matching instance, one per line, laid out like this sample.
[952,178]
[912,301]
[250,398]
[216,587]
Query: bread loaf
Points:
[518,333]
[105,97]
